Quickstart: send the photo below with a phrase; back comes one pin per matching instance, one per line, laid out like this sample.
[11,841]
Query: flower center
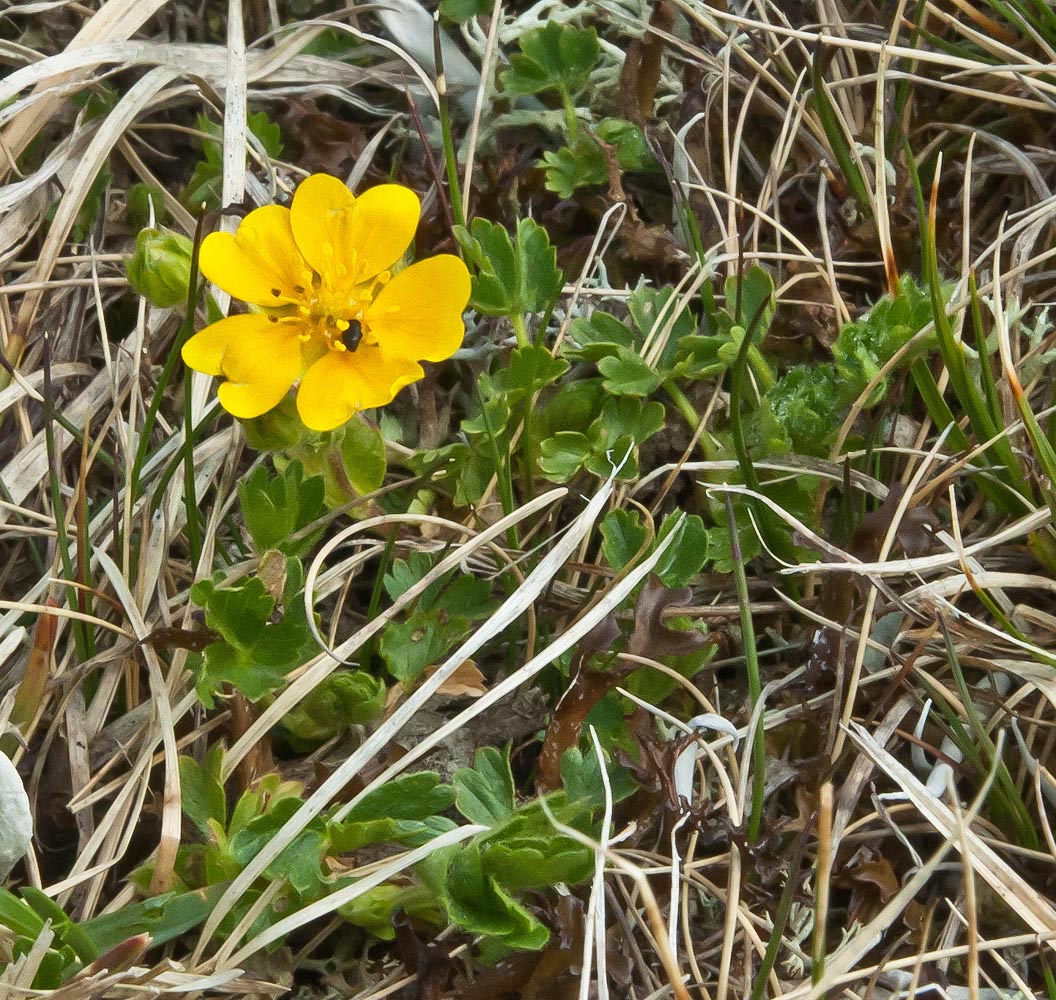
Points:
[334,309]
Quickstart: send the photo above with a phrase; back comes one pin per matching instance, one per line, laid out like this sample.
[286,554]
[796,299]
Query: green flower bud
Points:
[280,429]
[160,269]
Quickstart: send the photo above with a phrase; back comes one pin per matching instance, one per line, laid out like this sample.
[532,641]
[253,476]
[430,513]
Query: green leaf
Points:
[484,792]
[410,796]
[477,903]
[461,11]
[573,408]
[363,455]
[755,297]
[374,910]
[810,402]
[163,917]
[408,832]
[408,647]
[563,455]
[206,180]
[236,613]
[573,167]
[553,57]
[626,374]
[623,536]
[720,551]
[599,337]
[687,554]
[648,306]
[581,778]
[255,653]
[513,276]
[202,792]
[624,417]
[632,148]
[276,506]
[300,862]
[536,862]
[345,698]
[529,369]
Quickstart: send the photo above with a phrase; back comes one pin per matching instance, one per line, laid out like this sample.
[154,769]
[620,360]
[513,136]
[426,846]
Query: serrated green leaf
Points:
[256,653]
[410,796]
[553,57]
[529,369]
[484,792]
[345,698]
[513,276]
[236,613]
[407,832]
[536,862]
[581,779]
[627,417]
[599,337]
[477,903]
[408,647]
[720,551]
[574,167]
[622,454]
[276,506]
[626,374]
[206,181]
[751,298]
[300,863]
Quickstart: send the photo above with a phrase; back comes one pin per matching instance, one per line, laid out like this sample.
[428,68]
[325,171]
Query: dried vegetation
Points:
[893,637]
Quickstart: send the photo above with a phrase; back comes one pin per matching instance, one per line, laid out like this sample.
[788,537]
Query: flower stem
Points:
[521,329]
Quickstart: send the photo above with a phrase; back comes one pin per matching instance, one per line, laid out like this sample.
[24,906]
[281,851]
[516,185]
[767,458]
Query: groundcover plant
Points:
[506,500]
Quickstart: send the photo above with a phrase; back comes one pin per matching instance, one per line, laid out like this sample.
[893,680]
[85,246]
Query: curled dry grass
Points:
[945,895]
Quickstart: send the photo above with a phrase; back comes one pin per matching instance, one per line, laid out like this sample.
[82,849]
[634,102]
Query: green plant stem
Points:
[692,418]
[58,508]
[503,475]
[520,328]
[454,187]
[763,372]
[751,659]
[784,910]
[190,497]
[370,649]
[571,119]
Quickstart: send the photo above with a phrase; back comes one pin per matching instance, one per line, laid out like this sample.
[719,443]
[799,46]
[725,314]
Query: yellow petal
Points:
[260,263]
[363,236]
[342,383]
[418,314]
[205,351]
[261,359]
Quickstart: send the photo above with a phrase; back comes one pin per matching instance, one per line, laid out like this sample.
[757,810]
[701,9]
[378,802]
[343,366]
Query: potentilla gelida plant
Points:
[330,312]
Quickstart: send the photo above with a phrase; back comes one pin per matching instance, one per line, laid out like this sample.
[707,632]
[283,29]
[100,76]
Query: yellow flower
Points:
[332,313]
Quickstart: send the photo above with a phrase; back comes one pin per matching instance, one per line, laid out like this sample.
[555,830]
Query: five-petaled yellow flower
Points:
[332,313]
